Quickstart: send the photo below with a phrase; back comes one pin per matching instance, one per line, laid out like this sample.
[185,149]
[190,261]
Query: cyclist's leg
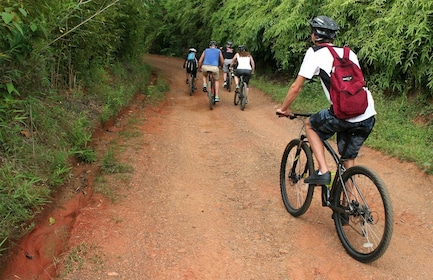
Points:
[204,70]
[318,127]
[226,68]
[247,77]
[215,73]
[355,142]
[236,80]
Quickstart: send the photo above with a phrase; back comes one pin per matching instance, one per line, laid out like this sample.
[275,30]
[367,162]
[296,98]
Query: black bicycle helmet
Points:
[324,28]
[212,43]
[229,43]
[241,48]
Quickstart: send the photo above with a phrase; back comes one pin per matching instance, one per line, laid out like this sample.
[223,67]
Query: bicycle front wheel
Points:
[365,227]
[296,164]
[243,94]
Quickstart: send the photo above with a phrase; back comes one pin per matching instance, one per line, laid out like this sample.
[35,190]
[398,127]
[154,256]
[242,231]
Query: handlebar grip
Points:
[280,115]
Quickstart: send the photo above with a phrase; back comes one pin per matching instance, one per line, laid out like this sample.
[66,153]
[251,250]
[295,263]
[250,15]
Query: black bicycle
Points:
[211,92]
[241,95]
[361,205]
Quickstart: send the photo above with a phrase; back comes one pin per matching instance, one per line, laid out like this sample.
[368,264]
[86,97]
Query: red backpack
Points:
[347,92]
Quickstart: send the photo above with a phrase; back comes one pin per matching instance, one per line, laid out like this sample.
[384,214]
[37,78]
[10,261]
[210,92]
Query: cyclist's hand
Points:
[281,113]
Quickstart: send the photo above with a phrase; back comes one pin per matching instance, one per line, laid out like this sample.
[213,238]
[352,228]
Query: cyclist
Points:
[324,124]
[191,64]
[246,67]
[228,53]
[210,60]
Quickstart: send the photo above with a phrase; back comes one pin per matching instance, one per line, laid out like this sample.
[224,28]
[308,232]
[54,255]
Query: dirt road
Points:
[204,202]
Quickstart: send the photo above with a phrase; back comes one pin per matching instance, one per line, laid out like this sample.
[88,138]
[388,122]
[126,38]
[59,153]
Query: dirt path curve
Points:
[204,201]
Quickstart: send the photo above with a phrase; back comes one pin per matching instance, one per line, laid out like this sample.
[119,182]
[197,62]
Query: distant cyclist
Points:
[246,67]
[228,54]
[210,60]
[191,65]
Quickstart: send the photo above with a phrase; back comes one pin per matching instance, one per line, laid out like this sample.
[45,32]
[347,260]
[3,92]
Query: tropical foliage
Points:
[55,54]
[393,38]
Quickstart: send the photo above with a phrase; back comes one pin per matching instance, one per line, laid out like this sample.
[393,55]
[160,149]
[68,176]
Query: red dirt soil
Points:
[203,202]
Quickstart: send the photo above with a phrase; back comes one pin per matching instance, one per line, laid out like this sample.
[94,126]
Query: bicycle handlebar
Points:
[294,115]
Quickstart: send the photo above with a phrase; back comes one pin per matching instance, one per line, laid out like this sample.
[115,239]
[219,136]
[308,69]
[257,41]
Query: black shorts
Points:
[326,125]
[244,72]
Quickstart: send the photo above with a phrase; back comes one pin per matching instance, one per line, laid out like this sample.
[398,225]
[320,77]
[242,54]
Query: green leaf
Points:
[7,18]
[23,11]
[33,27]
[10,87]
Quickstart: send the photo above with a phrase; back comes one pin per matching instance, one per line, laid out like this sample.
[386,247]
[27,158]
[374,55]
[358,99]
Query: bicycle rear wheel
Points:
[243,95]
[191,85]
[211,94]
[366,226]
[229,81]
[296,164]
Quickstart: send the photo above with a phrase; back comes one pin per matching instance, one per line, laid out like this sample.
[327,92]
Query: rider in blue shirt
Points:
[210,60]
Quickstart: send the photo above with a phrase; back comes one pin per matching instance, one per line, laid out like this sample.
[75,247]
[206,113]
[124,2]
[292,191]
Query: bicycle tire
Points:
[296,164]
[243,95]
[191,85]
[365,230]
[237,98]
[211,94]
[229,81]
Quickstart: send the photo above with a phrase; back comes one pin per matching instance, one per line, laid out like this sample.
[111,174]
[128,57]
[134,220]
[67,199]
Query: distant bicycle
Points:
[230,78]
[361,205]
[241,95]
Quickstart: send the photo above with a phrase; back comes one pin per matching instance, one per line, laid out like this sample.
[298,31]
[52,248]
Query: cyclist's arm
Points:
[221,59]
[253,65]
[235,58]
[294,90]
[200,61]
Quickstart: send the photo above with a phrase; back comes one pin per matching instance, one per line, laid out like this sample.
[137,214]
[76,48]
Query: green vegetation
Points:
[67,66]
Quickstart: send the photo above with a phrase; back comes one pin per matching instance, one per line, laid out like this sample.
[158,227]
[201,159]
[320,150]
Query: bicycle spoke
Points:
[367,231]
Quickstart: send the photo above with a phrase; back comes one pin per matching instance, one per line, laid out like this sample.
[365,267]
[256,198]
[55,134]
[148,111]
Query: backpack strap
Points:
[335,55]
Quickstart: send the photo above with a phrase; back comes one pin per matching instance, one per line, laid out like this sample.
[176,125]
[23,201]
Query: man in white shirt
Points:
[318,61]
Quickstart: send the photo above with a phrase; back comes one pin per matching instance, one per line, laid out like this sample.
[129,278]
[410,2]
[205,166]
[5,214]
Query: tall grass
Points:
[40,133]
[404,126]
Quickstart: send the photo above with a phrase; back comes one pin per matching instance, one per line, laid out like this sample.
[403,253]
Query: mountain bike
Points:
[211,92]
[359,200]
[241,95]
[230,77]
